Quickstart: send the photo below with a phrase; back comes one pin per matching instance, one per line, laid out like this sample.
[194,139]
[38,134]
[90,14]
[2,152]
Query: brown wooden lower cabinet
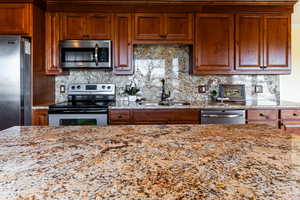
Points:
[154,116]
[290,126]
[263,116]
[290,120]
[270,123]
[40,117]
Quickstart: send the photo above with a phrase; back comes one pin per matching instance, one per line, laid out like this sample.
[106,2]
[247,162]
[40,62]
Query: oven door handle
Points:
[222,116]
[96,54]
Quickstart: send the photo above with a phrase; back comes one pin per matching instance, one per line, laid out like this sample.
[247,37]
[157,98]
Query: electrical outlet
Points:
[202,89]
[259,89]
[62,89]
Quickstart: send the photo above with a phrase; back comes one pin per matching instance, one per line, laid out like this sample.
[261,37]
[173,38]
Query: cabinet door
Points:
[249,42]
[123,44]
[74,27]
[40,117]
[99,26]
[117,117]
[15,19]
[172,116]
[149,26]
[179,26]
[214,44]
[277,42]
[291,127]
[52,44]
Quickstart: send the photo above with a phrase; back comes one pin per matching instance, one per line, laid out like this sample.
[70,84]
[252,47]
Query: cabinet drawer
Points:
[290,114]
[119,115]
[171,116]
[253,115]
[270,123]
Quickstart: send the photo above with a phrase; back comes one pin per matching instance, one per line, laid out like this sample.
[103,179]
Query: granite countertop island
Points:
[213,162]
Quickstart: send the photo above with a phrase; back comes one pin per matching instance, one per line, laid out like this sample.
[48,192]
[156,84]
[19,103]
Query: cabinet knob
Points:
[261,114]
[295,114]
[120,116]
[163,36]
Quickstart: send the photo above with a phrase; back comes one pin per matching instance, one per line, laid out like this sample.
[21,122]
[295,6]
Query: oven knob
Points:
[108,87]
[78,87]
[103,87]
[73,87]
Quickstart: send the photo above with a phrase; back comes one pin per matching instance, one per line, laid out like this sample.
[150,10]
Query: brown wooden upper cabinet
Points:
[86,26]
[15,19]
[214,45]
[123,50]
[263,43]
[164,27]
[52,43]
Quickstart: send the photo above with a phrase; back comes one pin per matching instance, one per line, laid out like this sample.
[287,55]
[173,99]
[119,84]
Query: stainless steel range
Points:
[87,105]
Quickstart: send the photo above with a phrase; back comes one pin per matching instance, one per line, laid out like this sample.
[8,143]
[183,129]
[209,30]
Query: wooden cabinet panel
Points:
[149,26]
[179,26]
[249,42]
[15,19]
[258,115]
[277,42]
[154,116]
[73,26]
[214,43]
[290,115]
[291,127]
[52,43]
[99,26]
[164,28]
[119,117]
[270,123]
[123,50]
[40,117]
[86,26]
[165,116]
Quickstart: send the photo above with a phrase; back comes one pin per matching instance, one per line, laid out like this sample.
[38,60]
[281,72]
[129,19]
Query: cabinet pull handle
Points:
[96,55]
[163,36]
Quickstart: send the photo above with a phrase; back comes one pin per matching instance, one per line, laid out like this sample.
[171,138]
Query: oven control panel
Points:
[77,89]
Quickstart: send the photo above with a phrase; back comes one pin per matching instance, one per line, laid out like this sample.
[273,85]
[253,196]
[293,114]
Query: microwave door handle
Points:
[96,54]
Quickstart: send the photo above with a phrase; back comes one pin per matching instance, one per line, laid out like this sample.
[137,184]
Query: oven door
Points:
[78,119]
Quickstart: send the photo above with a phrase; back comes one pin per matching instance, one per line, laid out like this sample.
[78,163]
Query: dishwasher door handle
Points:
[221,116]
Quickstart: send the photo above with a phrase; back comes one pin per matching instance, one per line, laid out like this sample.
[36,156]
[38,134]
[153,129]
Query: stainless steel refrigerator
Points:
[15,82]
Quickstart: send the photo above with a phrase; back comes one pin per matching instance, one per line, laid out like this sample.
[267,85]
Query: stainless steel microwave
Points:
[86,54]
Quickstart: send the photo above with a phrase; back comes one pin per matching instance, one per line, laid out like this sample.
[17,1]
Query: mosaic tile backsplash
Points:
[169,62]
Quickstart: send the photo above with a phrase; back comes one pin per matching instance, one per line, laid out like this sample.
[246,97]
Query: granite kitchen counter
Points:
[250,104]
[213,162]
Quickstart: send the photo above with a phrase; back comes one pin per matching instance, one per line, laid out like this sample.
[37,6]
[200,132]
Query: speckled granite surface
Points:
[149,162]
[264,104]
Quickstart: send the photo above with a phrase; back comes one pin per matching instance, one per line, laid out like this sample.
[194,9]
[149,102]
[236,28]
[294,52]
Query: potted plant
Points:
[214,95]
[132,90]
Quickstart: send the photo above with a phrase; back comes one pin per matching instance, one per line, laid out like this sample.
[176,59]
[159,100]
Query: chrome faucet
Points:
[164,95]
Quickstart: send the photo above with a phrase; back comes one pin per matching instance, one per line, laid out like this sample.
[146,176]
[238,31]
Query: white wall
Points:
[290,84]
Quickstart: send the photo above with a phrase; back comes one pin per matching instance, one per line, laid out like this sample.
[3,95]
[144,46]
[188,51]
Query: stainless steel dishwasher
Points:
[223,116]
